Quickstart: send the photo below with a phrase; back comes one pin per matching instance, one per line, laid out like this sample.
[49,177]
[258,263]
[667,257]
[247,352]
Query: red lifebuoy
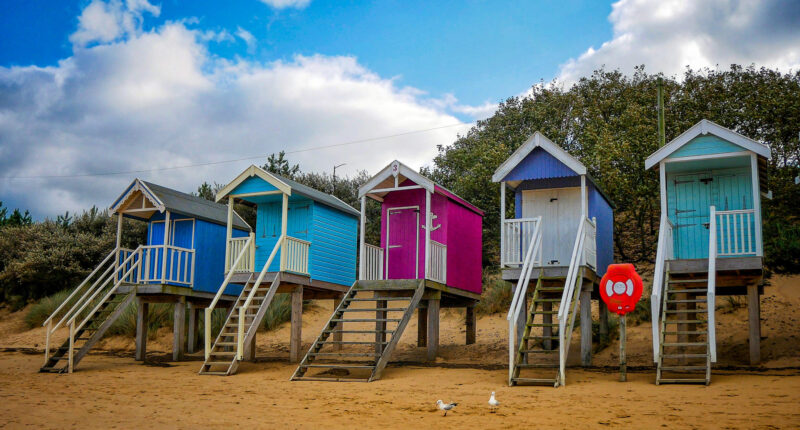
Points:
[621,288]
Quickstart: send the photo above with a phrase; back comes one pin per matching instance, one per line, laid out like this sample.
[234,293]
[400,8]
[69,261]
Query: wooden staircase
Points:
[388,306]
[224,356]
[84,338]
[538,354]
[684,355]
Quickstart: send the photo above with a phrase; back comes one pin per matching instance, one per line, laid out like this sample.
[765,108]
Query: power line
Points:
[212,163]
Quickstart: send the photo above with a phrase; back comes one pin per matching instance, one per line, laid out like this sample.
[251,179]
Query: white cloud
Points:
[668,35]
[104,22]
[283,4]
[248,39]
[158,99]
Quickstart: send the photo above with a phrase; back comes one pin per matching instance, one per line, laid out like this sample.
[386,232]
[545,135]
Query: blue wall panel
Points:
[539,164]
[268,228]
[334,246]
[601,210]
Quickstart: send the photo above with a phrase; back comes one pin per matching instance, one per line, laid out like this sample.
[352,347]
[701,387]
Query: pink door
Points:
[403,233]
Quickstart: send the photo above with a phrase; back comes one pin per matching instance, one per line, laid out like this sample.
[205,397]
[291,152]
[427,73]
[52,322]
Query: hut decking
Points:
[562,239]
[429,258]
[180,263]
[709,244]
[304,244]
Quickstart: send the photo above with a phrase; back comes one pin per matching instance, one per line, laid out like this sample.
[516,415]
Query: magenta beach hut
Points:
[428,258]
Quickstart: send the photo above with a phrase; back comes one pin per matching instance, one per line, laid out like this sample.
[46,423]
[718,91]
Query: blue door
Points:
[179,262]
[689,215]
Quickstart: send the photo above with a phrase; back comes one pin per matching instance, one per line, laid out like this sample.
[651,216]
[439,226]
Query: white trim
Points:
[756,204]
[257,194]
[427,233]
[149,195]
[538,140]
[663,179]
[249,173]
[389,190]
[362,239]
[416,235]
[502,220]
[702,128]
[584,198]
[386,173]
[172,231]
[743,153]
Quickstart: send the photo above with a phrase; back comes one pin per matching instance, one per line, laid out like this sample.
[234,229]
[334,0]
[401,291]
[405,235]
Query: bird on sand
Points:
[493,402]
[445,406]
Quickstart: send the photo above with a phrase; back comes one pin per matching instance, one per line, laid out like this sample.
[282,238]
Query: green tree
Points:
[280,165]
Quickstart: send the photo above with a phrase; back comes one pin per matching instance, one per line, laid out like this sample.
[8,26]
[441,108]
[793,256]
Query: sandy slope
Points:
[110,388]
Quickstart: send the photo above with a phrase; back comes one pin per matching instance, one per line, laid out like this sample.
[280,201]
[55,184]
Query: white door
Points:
[560,209]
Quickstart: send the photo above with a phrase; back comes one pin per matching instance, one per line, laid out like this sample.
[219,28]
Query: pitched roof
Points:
[164,198]
[702,128]
[318,196]
[538,140]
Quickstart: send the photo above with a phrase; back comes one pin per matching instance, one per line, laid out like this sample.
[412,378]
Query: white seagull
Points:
[445,406]
[493,402]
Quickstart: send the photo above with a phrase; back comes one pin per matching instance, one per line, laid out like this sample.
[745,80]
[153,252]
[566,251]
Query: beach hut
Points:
[180,263]
[428,258]
[561,238]
[304,243]
[709,244]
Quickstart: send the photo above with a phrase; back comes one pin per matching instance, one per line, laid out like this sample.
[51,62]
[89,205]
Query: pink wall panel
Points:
[464,248]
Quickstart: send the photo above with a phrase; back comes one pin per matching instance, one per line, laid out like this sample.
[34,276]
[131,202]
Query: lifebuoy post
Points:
[621,289]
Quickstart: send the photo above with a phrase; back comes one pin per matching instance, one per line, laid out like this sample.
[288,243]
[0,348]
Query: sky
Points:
[94,93]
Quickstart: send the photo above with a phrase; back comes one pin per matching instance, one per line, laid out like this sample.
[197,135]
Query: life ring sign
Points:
[621,288]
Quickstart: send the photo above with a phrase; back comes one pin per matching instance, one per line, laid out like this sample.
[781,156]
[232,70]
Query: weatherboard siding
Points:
[706,145]
[539,164]
[603,213]
[334,246]
[253,184]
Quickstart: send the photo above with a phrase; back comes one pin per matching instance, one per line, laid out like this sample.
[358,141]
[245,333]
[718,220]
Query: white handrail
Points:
[663,253]
[711,300]
[297,252]
[517,232]
[437,270]
[566,297]
[237,245]
[520,292]
[243,308]
[75,291]
[373,262]
[735,235]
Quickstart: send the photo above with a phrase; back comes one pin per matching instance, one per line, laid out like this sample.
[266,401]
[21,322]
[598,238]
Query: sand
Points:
[110,389]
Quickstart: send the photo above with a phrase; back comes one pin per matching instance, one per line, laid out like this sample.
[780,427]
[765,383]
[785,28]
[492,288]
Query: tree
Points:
[280,165]
[17,218]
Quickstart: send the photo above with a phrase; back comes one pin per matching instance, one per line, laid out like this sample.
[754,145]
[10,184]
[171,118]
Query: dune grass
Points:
[496,296]
[41,310]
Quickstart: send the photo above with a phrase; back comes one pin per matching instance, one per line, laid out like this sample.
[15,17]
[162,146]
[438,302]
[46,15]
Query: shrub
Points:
[40,311]
[496,296]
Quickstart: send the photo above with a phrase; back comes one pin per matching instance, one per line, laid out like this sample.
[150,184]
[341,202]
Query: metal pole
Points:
[661,133]
[623,365]
[334,176]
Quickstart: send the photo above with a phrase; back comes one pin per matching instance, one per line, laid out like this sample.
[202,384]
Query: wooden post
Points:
[141,328]
[547,331]
[250,351]
[363,223]
[623,364]
[422,326]
[297,325]
[229,235]
[502,223]
[179,329]
[603,322]
[164,250]
[586,328]
[191,337]
[337,331]
[427,235]
[119,230]
[471,326]
[284,221]
[754,322]
[433,328]
[380,326]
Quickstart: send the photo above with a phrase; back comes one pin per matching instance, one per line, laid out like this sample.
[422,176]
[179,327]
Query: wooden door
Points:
[690,215]
[402,243]
[560,209]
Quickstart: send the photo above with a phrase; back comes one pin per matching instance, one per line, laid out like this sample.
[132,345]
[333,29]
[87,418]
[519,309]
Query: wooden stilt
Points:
[623,363]
[380,326]
[251,350]
[141,329]
[754,322]
[179,329]
[523,318]
[337,332]
[297,325]
[471,326]
[433,328]
[191,335]
[586,328]
[603,322]
[422,327]
[547,331]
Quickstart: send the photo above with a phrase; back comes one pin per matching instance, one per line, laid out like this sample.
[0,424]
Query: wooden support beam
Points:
[250,351]
[141,328]
[471,326]
[754,322]
[191,335]
[603,322]
[380,326]
[297,325]
[337,331]
[586,328]
[433,329]
[422,326]
[547,331]
[523,317]
[179,329]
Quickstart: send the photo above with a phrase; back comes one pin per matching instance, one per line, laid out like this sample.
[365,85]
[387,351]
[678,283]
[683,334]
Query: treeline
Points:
[607,120]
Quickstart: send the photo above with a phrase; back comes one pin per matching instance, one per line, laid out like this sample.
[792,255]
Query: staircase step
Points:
[367,320]
[375,299]
[217,363]
[545,312]
[222,353]
[682,381]
[226,343]
[688,301]
[688,290]
[684,355]
[541,337]
[207,372]
[684,321]
[539,351]
[348,342]
[681,368]
[318,378]
[676,344]
[358,331]
[688,332]
[687,281]
[338,366]
[547,300]
[537,365]
[375,310]
[542,325]
[686,311]
[343,354]
[534,381]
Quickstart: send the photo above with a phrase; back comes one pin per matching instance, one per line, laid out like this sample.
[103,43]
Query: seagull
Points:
[493,402]
[445,406]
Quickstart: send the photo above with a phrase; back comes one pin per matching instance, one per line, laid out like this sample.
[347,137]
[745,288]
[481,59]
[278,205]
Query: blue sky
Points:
[141,88]
[480,50]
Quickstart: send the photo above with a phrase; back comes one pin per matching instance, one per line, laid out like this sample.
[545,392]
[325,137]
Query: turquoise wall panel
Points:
[268,228]
[705,145]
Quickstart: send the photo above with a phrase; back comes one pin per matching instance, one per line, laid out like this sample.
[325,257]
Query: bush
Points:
[496,296]
[278,312]
[39,312]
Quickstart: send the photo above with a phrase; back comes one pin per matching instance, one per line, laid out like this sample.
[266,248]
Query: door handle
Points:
[395,246]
